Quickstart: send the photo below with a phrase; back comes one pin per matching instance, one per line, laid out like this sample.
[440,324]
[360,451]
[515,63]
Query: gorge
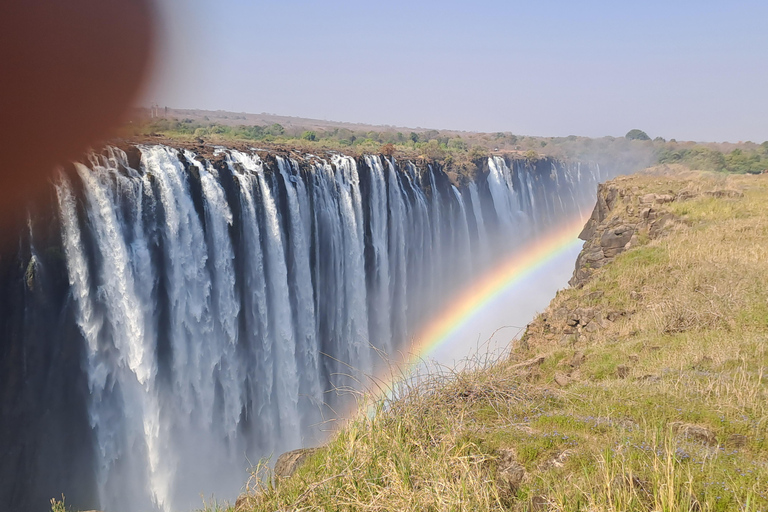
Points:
[173,315]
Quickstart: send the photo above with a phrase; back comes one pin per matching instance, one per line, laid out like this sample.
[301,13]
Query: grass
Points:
[663,408]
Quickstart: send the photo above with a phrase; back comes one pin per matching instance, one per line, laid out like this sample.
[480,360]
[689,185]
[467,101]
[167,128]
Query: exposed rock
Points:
[685,195]
[245,502]
[698,433]
[659,224]
[538,503]
[632,484]
[289,462]
[725,193]
[736,441]
[536,361]
[558,460]
[612,230]
[577,359]
[509,473]
[562,379]
[31,273]
[592,326]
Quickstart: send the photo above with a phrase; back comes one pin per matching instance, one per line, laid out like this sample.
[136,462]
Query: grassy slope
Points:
[663,408]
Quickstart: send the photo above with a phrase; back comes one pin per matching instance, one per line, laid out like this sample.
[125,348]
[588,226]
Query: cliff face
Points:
[619,221]
[631,211]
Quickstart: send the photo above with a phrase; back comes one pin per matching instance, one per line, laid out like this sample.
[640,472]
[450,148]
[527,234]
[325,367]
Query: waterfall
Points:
[223,302]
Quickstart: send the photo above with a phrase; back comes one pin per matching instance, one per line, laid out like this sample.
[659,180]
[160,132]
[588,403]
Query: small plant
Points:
[58,506]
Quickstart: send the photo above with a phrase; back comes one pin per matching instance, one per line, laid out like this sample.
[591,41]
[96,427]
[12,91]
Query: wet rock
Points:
[30,276]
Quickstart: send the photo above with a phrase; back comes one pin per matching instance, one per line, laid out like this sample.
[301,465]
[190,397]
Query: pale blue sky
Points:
[686,70]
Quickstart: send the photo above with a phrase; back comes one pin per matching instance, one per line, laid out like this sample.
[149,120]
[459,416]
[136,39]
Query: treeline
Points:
[751,159]
[458,150]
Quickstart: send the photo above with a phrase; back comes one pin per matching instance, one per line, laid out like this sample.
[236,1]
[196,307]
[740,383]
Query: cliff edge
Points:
[642,387]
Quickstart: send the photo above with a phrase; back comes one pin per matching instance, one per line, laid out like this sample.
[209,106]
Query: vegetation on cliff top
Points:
[458,151]
[643,389]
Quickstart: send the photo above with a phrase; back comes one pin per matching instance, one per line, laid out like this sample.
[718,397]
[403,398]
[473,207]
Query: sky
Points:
[690,70]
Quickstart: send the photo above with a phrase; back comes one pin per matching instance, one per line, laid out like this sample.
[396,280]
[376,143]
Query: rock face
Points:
[624,216]
[289,462]
[618,221]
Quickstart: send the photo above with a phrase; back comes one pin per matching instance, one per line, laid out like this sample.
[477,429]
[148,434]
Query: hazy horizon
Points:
[689,71]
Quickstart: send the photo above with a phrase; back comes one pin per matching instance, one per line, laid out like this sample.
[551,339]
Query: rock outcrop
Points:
[620,219]
[289,462]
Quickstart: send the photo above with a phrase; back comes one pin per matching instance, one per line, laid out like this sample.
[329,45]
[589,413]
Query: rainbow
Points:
[498,281]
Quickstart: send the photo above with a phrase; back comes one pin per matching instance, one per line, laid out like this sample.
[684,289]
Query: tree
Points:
[275,129]
[308,135]
[636,134]
[458,144]
[477,152]
[388,149]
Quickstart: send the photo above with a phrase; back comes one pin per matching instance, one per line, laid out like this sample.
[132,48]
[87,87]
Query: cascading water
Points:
[211,309]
